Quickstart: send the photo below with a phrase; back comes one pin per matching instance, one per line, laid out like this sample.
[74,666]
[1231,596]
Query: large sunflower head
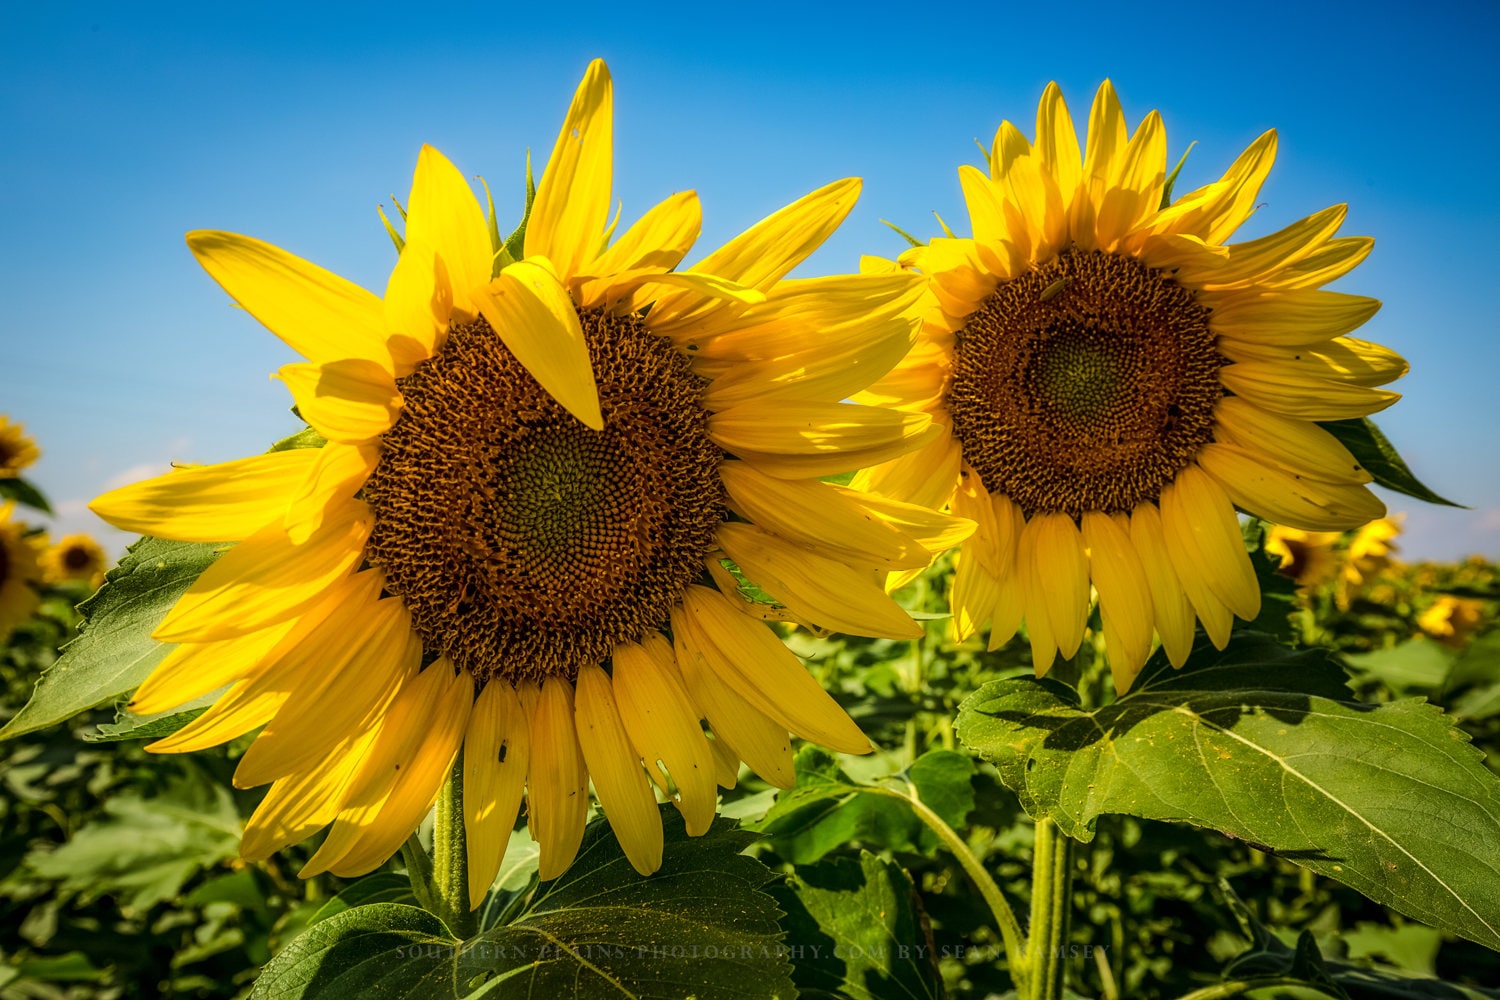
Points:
[74,558]
[17,451]
[20,572]
[546,476]
[1114,377]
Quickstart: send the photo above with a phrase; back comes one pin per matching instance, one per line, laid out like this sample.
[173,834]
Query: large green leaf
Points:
[855,929]
[115,651]
[701,926]
[1266,745]
[1379,457]
[828,809]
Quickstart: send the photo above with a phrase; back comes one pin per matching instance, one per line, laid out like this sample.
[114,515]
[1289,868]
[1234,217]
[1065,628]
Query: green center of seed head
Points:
[564,494]
[1078,379]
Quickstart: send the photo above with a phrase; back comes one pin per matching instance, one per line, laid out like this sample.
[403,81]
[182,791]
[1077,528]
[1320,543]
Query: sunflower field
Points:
[1011,618]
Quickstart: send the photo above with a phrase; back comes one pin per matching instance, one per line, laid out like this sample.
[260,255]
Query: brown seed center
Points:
[1086,383]
[524,543]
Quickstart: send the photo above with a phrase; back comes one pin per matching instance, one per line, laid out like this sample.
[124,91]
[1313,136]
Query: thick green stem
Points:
[1005,917]
[1051,908]
[450,856]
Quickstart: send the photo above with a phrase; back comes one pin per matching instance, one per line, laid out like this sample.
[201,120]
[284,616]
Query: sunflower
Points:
[558,495]
[1371,551]
[1305,556]
[74,557]
[1452,620]
[19,571]
[1113,378]
[17,451]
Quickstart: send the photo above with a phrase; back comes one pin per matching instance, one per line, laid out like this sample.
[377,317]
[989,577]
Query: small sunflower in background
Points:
[1113,378]
[541,475]
[1371,551]
[74,558]
[20,571]
[1452,620]
[1307,557]
[17,450]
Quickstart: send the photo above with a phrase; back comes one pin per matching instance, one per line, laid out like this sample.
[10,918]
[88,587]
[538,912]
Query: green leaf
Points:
[135,727]
[855,929]
[1415,665]
[147,848]
[701,926]
[1380,458]
[1266,745]
[24,493]
[115,651]
[827,809]
[382,887]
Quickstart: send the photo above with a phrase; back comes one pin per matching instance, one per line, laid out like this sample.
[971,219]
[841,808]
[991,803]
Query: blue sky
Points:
[123,130]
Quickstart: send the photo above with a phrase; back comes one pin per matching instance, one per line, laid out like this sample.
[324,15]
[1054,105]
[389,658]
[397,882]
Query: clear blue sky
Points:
[291,122]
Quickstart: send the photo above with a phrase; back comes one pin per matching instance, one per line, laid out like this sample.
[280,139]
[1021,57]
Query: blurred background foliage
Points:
[119,874]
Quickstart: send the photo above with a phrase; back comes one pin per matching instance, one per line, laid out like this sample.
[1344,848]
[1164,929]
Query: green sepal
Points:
[1166,191]
[1380,459]
[908,237]
[307,437]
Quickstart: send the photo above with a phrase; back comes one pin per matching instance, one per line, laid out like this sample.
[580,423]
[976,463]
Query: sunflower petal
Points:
[349,401]
[572,201]
[623,789]
[1261,488]
[315,312]
[557,789]
[530,311]
[227,502]
[496,754]
[444,216]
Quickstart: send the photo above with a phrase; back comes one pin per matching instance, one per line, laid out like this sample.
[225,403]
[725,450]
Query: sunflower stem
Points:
[1051,907]
[450,856]
[1005,918]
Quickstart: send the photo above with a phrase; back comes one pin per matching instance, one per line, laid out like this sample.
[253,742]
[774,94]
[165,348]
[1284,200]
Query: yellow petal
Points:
[197,668]
[227,502]
[266,579]
[402,773]
[972,593]
[1283,390]
[753,661]
[1010,603]
[926,477]
[348,671]
[1296,318]
[557,789]
[245,706]
[986,209]
[1057,141]
[337,476]
[298,806]
[444,216]
[1299,445]
[623,789]
[1173,611]
[530,311]
[496,755]
[1196,512]
[318,314]
[663,727]
[572,201]
[1034,582]
[1214,211]
[1065,568]
[1258,486]
[1255,261]
[659,239]
[1336,259]
[821,591]
[740,729]
[1124,596]
[821,516]
[350,401]
[814,439]
[418,306]
[764,253]
[1136,185]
